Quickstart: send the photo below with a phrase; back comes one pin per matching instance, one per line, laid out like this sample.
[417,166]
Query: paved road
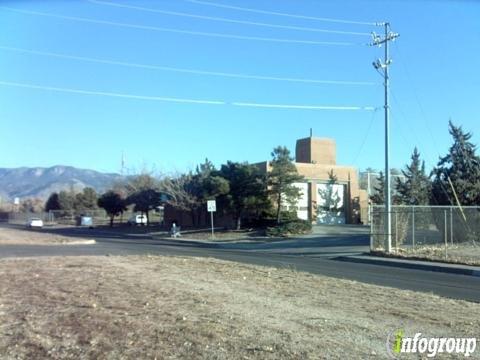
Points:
[317,254]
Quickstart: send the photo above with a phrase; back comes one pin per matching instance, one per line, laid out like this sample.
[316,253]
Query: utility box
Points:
[86,221]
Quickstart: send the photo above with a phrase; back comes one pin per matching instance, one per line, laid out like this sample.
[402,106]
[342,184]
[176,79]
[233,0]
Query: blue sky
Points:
[435,77]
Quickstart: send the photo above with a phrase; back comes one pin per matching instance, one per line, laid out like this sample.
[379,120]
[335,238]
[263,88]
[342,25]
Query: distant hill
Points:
[41,182]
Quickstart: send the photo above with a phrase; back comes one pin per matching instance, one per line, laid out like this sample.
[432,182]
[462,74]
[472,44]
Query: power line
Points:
[275,13]
[111,94]
[179,31]
[424,117]
[227,20]
[182,100]
[419,104]
[305,107]
[365,138]
[182,70]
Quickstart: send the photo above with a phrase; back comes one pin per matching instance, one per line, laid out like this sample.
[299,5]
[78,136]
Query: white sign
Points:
[16,201]
[211,205]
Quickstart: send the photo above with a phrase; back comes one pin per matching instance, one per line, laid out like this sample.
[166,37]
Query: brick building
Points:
[324,201]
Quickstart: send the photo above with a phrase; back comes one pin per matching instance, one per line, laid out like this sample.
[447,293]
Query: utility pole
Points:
[122,169]
[382,68]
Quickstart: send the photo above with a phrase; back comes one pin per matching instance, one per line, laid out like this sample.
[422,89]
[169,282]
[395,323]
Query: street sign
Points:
[16,201]
[211,205]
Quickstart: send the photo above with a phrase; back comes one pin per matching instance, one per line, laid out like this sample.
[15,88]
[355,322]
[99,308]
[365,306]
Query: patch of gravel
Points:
[194,308]
[466,254]
[10,236]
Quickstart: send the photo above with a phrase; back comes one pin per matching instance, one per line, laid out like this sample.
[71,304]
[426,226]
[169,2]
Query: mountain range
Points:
[39,182]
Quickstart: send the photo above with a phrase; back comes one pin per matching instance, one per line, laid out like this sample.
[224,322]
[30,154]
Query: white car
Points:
[138,220]
[35,223]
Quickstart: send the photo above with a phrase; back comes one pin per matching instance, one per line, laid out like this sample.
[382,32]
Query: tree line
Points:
[242,190]
[455,180]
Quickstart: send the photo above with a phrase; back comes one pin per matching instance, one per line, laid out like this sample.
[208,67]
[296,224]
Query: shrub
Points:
[268,219]
[294,227]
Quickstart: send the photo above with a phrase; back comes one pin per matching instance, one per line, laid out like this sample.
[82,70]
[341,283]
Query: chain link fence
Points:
[73,217]
[446,233]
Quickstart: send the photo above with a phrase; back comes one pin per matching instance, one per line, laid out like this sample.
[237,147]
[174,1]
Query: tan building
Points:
[323,200]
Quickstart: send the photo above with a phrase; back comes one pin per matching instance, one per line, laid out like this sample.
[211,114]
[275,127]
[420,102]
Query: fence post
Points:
[446,235]
[413,227]
[396,229]
[451,225]
[370,215]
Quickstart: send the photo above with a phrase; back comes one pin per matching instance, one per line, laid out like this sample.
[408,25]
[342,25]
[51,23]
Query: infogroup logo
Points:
[398,344]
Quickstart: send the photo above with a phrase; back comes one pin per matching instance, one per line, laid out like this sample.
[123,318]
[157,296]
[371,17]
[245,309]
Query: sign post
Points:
[211,207]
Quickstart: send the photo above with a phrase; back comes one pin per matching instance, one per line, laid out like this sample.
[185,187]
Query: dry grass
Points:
[10,236]
[467,254]
[221,235]
[163,307]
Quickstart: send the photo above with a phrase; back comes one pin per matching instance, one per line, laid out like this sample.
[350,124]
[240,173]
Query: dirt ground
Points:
[9,236]
[467,254]
[149,307]
[221,235]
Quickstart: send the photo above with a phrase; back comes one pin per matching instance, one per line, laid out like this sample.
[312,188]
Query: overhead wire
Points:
[226,20]
[365,137]
[424,118]
[304,107]
[276,13]
[417,100]
[183,100]
[110,94]
[183,70]
[179,31]
[406,120]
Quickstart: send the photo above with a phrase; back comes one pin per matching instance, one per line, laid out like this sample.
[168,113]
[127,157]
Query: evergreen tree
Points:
[66,200]
[462,166]
[415,188]
[329,197]
[52,203]
[378,198]
[248,190]
[113,204]
[281,179]
[86,200]
[207,183]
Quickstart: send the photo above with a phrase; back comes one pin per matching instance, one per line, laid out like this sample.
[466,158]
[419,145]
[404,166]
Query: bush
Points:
[294,227]
[268,219]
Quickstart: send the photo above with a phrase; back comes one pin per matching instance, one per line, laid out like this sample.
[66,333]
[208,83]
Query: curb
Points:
[417,266]
[81,242]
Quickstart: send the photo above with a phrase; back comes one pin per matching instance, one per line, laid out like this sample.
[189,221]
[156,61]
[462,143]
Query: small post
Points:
[446,235]
[370,210]
[413,227]
[369,197]
[396,229]
[211,221]
[451,225]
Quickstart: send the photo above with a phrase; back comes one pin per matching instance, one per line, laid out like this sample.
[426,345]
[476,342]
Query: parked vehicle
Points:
[35,223]
[138,220]
[85,221]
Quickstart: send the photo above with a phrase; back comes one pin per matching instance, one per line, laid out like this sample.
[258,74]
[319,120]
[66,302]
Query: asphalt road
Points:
[317,254]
